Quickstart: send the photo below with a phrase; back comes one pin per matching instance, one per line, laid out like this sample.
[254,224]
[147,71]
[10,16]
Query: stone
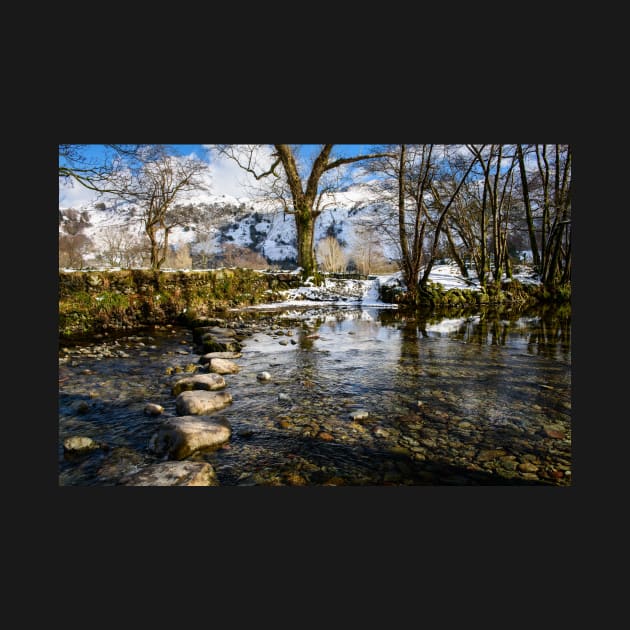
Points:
[198,403]
[152,409]
[206,358]
[223,366]
[399,450]
[323,435]
[79,443]
[554,432]
[295,479]
[179,437]
[208,382]
[263,376]
[216,344]
[359,414]
[173,474]
[527,467]
[490,454]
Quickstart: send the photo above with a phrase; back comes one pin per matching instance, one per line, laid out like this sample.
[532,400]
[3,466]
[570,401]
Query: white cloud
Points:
[73,195]
[228,178]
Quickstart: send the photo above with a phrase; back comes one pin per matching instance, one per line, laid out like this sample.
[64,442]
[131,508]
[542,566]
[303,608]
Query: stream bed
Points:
[357,396]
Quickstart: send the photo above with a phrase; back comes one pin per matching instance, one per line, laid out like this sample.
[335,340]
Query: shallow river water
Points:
[451,399]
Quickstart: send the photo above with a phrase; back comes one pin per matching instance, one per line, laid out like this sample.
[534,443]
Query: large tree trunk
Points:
[154,247]
[305,224]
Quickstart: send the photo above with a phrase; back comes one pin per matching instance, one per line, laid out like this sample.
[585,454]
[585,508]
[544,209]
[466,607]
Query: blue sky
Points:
[227,177]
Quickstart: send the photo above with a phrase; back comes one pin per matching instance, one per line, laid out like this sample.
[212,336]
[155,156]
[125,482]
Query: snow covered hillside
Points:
[350,216]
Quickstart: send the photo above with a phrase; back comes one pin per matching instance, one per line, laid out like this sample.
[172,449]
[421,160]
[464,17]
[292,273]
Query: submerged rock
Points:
[179,437]
[198,403]
[121,461]
[173,474]
[263,376]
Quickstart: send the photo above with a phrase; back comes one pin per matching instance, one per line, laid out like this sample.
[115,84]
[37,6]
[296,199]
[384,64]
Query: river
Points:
[449,398]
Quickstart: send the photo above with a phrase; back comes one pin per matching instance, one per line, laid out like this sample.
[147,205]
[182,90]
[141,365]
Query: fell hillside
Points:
[213,222]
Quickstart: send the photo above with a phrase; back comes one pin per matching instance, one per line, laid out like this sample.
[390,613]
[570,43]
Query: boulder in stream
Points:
[181,436]
[199,403]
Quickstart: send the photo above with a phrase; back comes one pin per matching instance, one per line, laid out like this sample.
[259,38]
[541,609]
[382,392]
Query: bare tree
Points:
[72,250]
[95,172]
[179,257]
[154,188]
[421,182]
[554,197]
[122,248]
[234,255]
[303,186]
[498,183]
[330,255]
[444,190]
[367,249]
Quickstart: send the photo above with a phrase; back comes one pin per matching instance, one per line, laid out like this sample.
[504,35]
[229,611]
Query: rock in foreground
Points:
[180,437]
[173,474]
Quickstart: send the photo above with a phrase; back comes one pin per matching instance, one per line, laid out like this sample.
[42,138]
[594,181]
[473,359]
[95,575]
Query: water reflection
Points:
[454,396]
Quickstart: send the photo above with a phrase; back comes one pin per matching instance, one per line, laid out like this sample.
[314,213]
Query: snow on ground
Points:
[450,277]
[365,293]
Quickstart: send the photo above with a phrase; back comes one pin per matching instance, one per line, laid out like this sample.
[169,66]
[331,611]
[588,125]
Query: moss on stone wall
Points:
[93,301]
[513,292]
